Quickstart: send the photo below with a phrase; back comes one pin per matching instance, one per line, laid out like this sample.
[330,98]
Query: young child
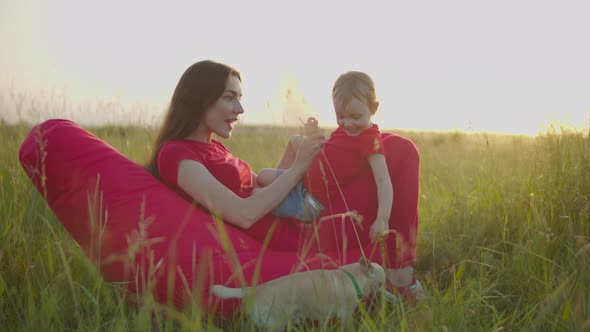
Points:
[355,145]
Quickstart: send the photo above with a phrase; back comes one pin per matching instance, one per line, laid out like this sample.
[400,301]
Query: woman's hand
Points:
[308,148]
[294,143]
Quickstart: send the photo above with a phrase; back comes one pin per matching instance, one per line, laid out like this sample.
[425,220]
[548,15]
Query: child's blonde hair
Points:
[354,84]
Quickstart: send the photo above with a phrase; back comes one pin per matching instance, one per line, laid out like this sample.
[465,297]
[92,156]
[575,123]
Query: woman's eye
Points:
[232,98]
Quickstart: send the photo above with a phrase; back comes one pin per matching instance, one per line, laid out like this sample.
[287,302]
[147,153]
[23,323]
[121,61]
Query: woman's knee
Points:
[399,151]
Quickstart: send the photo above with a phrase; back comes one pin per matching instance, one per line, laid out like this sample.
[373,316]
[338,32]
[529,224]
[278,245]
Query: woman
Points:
[187,158]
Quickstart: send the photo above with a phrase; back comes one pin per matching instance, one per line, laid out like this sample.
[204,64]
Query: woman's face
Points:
[354,117]
[223,114]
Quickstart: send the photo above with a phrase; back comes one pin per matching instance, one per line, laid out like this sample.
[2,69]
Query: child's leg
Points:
[266,176]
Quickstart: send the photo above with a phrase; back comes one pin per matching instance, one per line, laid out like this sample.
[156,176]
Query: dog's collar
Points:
[359,294]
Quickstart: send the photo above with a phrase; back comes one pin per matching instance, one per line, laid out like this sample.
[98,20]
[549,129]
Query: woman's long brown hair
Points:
[198,88]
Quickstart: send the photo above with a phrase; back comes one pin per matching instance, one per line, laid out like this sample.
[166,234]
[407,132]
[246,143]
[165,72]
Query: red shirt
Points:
[232,172]
[345,156]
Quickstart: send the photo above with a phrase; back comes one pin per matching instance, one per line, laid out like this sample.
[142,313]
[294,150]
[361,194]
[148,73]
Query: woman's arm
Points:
[205,189]
[384,194]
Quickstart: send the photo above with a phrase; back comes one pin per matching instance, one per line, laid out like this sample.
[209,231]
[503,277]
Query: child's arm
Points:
[384,195]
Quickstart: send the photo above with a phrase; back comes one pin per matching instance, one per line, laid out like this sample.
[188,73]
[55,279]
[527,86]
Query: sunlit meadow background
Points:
[504,240]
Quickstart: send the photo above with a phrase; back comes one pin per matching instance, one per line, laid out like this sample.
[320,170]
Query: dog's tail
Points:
[227,292]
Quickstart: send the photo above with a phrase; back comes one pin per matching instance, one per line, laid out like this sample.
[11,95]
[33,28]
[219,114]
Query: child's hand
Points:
[312,129]
[379,229]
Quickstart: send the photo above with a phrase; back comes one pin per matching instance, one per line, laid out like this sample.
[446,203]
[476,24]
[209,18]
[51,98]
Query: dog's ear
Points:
[366,266]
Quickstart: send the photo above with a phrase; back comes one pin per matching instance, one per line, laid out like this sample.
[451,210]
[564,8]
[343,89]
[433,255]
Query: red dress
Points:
[232,172]
[342,160]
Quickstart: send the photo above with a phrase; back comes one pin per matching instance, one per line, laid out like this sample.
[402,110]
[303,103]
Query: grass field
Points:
[504,240]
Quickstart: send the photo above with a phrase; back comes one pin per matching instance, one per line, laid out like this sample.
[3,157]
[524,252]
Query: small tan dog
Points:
[317,295]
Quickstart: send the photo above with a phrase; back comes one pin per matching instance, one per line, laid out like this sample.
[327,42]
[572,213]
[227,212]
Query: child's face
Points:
[353,117]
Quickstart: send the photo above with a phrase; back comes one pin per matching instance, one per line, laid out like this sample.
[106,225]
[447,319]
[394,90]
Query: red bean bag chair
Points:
[137,231]
[141,234]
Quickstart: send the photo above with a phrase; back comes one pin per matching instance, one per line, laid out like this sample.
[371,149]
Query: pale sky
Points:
[498,66]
